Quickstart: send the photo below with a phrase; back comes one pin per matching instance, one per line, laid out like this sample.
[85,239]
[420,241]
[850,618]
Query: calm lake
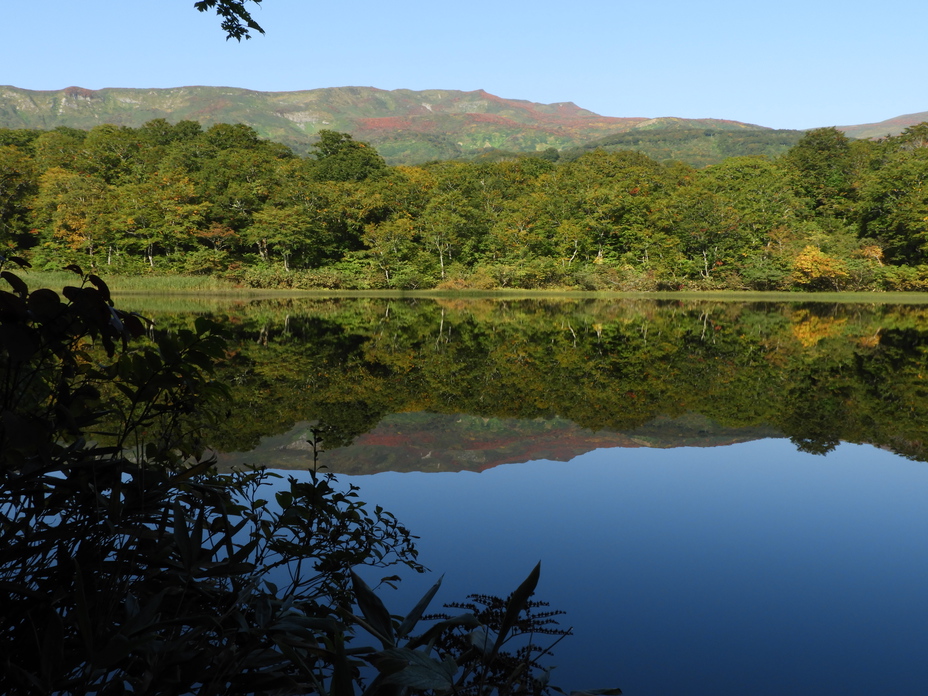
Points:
[726,498]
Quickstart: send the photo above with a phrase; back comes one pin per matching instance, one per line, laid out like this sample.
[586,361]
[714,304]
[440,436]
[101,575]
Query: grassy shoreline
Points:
[215,288]
[121,284]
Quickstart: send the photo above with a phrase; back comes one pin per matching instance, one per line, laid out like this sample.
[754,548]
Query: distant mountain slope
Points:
[696,146]
[406,126]
[892,126]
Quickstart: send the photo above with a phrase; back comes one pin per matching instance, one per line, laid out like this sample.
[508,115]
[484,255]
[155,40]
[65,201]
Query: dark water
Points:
[726,499]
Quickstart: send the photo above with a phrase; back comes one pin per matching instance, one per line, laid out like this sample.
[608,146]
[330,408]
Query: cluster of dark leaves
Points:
[517,667]
[237,21]
[144,568]
[129,563]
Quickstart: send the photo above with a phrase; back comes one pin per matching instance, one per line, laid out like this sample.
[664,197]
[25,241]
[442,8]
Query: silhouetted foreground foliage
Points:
[128,563]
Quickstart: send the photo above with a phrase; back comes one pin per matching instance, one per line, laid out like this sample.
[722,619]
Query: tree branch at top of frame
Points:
[237,21]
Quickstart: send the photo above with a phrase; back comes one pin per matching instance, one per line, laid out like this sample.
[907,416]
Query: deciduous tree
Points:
[895,207]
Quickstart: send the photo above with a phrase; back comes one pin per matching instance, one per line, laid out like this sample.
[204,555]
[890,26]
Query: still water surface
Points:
[783,559]
[747,569]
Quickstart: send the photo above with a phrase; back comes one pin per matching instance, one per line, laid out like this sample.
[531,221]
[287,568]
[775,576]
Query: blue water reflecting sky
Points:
[749,569]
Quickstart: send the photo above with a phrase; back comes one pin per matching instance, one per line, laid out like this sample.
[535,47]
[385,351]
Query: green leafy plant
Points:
[490,648]
[129,563]
[142,567]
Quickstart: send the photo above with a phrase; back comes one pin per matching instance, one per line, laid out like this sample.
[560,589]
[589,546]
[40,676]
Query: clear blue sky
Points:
[789,64]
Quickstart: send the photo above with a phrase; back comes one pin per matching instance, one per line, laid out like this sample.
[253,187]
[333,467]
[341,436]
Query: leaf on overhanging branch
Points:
[44,304]
[12,308]
[71,293]
[18,260]
[19,287]
[97,281]
[133,322]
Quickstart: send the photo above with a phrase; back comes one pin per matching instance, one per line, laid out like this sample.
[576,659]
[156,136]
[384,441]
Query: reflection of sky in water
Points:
[750,569]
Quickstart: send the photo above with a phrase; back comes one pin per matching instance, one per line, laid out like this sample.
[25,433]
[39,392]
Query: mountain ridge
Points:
[410,126]
[881,129]
[405,125]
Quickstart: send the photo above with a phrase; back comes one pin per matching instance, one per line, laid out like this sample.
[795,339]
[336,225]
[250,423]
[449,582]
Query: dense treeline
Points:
[830,214]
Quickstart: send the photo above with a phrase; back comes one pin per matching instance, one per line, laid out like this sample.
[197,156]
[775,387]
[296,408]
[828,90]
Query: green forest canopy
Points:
[830,214]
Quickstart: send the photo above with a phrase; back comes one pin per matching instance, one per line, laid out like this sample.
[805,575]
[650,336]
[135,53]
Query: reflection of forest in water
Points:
[590,372]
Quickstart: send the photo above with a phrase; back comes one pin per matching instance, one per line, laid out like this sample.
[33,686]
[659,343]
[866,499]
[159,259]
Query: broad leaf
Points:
[374,611]
[421,671]
[412,618]
[516,605]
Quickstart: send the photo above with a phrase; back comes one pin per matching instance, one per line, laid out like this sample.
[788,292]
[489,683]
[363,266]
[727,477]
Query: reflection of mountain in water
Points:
[434,442]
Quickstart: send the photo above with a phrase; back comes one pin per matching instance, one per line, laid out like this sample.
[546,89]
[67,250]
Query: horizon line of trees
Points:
[830,214]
